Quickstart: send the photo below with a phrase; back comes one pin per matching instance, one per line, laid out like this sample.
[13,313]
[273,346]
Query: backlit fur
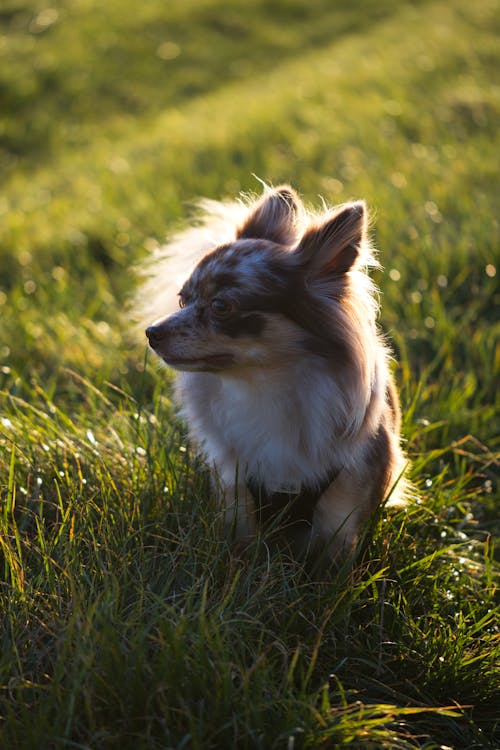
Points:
[284,375]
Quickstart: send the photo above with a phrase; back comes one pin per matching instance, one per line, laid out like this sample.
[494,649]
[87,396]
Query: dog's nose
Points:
[155,334]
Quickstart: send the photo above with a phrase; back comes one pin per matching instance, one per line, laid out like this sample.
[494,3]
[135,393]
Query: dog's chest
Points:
[278,430]
[260,419]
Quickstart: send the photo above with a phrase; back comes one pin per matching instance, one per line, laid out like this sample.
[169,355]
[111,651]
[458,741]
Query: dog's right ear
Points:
[332,247]
[274,217]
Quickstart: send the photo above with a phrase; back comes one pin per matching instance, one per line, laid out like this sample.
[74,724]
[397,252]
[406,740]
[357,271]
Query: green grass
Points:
[125,620]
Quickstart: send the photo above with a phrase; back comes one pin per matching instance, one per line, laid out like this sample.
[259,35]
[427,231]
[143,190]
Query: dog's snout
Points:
[155,334]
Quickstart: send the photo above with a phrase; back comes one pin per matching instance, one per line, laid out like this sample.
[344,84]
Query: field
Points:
[125,620]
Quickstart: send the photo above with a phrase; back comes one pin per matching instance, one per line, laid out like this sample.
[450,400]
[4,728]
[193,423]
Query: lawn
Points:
[125,620]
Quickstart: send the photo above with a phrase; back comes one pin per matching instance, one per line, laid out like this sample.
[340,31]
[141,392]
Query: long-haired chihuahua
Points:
[284,376]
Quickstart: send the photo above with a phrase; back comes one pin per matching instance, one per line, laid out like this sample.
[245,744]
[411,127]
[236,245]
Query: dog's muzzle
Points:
[156,334]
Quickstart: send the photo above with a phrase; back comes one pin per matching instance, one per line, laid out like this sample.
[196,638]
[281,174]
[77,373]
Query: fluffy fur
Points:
[284,378]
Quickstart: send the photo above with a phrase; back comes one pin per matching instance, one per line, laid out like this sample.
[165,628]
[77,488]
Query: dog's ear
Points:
[274,217]
[332,247]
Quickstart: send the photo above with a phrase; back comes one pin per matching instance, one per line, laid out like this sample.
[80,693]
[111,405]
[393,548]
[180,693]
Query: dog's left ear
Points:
[274,217]
[332,247]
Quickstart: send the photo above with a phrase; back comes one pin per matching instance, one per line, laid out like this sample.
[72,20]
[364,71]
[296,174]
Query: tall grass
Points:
[125,618]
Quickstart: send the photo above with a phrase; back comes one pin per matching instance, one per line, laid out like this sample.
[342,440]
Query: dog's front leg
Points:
[338,516]
[239,511]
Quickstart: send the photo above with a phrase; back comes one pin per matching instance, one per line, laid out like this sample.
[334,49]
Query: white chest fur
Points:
[280,425]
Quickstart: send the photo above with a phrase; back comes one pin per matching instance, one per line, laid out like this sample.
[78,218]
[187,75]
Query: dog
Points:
[285,380]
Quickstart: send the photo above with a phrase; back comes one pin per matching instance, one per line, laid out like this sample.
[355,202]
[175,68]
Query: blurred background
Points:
[116,116]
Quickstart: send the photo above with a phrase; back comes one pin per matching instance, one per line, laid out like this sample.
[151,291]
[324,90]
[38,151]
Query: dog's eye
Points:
[182,300]
[220,307]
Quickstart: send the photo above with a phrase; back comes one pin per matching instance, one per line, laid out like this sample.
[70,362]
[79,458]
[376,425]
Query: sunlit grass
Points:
[116,580]
[127,621]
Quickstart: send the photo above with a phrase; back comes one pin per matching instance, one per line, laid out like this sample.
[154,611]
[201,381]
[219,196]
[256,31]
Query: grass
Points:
[125,620]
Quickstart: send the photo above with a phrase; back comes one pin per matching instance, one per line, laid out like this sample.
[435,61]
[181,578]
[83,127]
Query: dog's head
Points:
[283,288]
